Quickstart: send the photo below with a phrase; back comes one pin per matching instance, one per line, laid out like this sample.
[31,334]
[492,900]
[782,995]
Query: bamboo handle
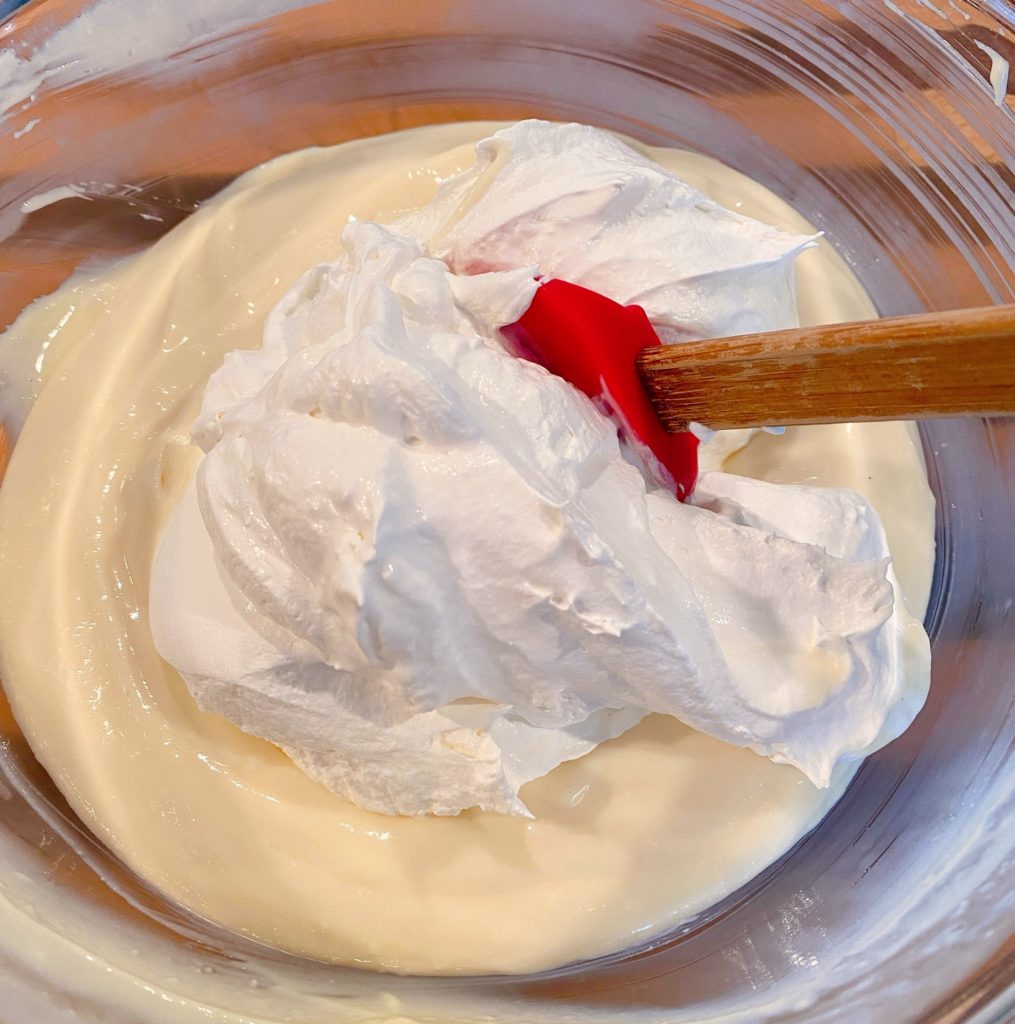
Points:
[910,367]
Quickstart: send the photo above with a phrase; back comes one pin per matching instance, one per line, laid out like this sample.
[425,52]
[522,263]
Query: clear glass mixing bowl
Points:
[877,121]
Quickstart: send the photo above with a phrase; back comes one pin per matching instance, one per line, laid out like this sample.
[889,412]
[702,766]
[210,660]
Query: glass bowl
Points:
[878,122]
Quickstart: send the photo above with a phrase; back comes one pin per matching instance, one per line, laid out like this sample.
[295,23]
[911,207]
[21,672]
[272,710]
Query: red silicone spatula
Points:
[933,364]
[594,343]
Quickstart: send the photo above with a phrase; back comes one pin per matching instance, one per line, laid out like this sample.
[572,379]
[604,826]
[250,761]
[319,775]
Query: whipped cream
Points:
[587,208]
[427,570]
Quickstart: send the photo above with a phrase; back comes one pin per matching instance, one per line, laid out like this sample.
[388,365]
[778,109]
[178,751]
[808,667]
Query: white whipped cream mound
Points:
[426,570]
[588,209]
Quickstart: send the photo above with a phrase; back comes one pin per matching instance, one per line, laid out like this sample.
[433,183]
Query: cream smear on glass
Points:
[640,834]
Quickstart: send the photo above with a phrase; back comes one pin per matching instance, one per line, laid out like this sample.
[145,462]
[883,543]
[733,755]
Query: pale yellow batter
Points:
[642,833]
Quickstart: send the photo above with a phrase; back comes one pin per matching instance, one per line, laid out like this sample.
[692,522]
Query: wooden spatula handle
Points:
[911,367]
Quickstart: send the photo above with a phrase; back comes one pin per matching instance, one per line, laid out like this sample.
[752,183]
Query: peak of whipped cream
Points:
[587,208]
[427,570]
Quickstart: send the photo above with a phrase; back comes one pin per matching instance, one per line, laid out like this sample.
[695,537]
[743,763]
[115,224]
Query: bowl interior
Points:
[880,126]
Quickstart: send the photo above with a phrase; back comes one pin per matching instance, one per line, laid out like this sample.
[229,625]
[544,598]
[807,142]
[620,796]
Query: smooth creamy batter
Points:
[636,836]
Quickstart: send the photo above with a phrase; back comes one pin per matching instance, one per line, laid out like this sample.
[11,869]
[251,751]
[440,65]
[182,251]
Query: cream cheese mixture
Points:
[636,836]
